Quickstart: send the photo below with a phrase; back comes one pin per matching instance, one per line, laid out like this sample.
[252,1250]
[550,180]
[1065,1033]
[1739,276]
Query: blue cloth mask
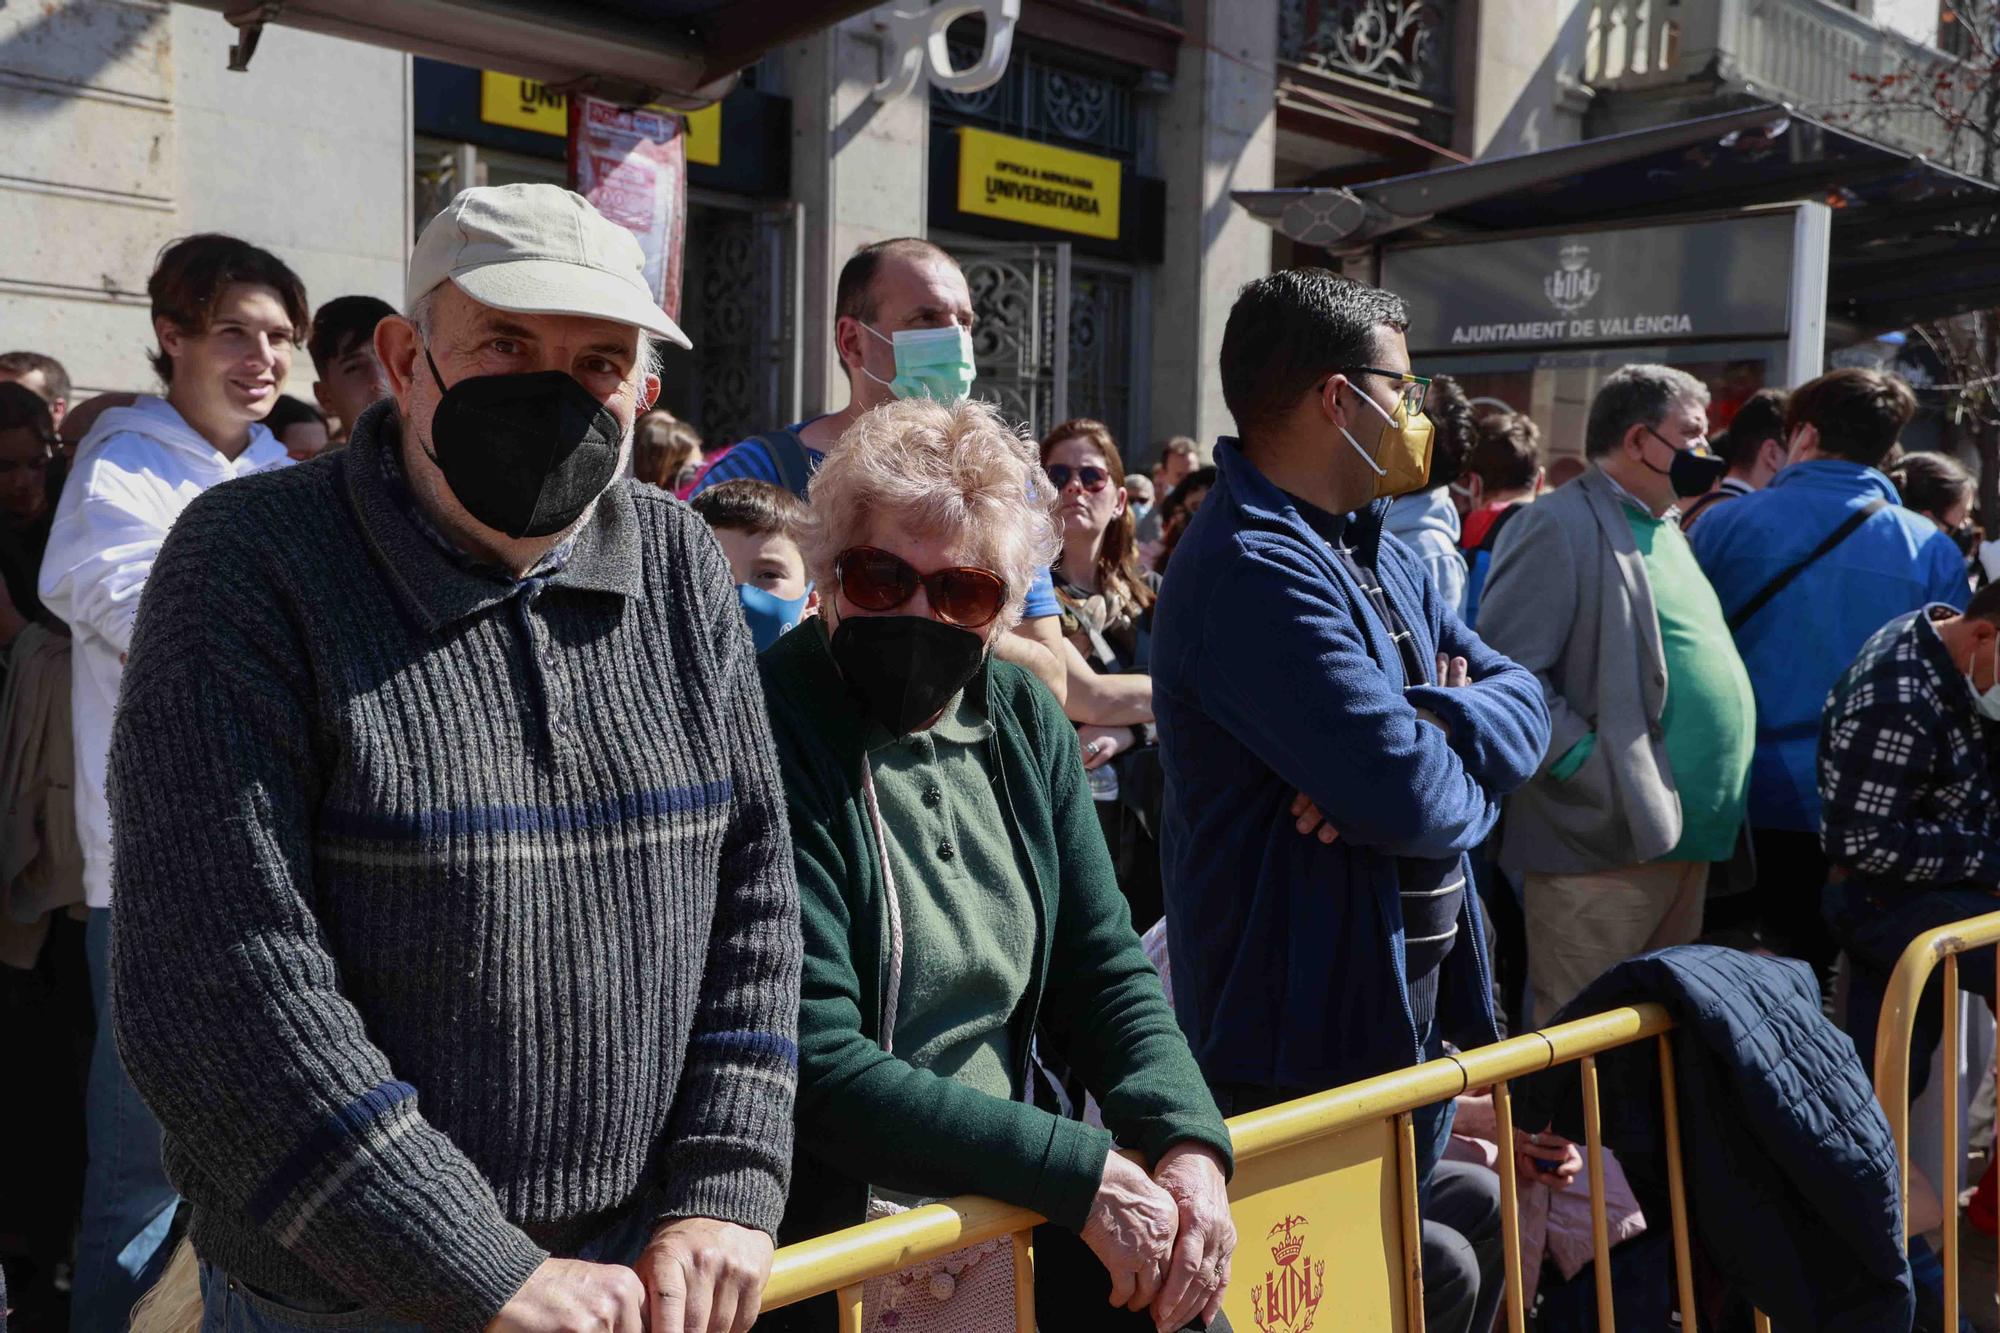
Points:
[935,363]
[769,614]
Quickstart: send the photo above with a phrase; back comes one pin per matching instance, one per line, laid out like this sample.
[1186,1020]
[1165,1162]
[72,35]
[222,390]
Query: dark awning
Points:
[1911,239]
[681,52]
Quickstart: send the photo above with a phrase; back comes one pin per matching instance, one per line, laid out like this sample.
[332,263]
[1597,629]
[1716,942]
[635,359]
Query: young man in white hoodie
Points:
[228,317]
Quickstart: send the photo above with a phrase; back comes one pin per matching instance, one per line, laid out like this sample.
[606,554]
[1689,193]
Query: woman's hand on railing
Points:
[704,1276]
[1131,1230]
[1198,1272]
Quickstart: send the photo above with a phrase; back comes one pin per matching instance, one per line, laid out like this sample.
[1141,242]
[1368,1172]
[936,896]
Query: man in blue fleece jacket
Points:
[1297,650]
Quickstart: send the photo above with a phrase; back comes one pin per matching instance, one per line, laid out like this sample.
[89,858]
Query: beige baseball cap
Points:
[538,250]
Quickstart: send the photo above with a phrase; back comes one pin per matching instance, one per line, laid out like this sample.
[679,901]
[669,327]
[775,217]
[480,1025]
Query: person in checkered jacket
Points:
[1911,804]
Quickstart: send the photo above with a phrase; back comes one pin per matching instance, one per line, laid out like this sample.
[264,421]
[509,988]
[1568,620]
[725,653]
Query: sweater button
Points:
[946,851]
[933,797]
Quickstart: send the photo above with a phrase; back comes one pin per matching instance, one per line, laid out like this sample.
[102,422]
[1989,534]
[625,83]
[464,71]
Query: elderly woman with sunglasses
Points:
[958,899]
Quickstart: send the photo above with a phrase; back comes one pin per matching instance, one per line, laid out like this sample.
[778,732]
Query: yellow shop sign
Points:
[1020,181]
[525,104]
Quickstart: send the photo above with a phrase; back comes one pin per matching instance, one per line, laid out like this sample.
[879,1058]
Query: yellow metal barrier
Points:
[1900,999]
[1331,1179]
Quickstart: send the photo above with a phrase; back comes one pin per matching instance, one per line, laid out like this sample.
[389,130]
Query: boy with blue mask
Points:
[758,526]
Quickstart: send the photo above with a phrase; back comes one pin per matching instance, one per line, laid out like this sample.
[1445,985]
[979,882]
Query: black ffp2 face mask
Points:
[1689,473]
[525,454]
[903,670]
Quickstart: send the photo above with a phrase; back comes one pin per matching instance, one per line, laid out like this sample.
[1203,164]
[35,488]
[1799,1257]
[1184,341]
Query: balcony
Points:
[1811,53]
[1402,47]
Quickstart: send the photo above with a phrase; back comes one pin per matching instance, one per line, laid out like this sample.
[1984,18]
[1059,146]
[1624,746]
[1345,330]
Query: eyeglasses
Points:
[877,580]
[1092,479]
[1413,390]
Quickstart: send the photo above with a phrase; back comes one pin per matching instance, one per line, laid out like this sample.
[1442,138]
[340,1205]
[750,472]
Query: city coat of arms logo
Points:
[1289,1300]
[1574,283]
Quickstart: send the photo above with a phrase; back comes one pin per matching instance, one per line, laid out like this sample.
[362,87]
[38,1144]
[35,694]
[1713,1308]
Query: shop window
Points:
[1018,297]
[735,307]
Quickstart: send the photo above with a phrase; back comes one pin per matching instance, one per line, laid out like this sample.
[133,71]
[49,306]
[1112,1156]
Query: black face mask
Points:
[525,454]
[1690,474]
[1966,537]
[905,669]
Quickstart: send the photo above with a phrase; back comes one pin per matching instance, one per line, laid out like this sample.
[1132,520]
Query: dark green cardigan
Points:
[865,1116]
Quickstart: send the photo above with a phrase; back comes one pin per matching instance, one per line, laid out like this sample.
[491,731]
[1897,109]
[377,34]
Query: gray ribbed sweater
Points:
[455,916]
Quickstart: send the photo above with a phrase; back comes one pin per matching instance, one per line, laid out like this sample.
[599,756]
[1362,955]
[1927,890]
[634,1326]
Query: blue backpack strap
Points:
[788,455]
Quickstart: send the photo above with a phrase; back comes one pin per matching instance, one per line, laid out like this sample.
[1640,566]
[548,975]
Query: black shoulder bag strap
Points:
[1768,593]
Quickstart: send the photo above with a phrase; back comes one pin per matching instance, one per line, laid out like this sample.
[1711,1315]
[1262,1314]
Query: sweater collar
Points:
[604,557]
[1259,503]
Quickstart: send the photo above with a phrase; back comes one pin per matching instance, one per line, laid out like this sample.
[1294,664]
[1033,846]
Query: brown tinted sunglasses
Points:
[878,580]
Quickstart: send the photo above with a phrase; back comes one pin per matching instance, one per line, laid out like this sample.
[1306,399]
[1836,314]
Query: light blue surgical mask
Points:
[935,363]
[770,615]
[1987,702]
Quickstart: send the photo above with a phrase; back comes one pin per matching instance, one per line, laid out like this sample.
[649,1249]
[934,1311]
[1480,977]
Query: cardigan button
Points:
[946,851]
[933,797]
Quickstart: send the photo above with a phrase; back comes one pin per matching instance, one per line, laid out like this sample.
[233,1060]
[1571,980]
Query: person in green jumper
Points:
[1653,721]
[958,899]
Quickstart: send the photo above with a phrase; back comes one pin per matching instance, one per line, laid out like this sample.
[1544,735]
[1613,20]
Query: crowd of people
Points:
[454,883]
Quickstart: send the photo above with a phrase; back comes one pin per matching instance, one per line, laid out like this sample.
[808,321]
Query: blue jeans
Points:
[231,1306]
[128,1204]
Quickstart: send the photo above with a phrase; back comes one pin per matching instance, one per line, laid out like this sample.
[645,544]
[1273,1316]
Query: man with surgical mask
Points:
[457,946]
[1912,811]
[1335,740]
[1594,589]
[902,328]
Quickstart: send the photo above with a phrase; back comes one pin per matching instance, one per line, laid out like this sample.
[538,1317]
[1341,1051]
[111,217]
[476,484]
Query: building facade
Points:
[125,129]
[1139,118]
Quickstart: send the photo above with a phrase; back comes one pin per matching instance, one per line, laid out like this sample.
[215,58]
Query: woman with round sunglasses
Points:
[1107,603]
[957,900]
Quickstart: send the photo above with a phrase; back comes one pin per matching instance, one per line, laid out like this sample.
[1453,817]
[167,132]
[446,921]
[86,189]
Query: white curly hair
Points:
[950,470]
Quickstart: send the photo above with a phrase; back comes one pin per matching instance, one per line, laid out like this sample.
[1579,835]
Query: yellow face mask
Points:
[1401,461]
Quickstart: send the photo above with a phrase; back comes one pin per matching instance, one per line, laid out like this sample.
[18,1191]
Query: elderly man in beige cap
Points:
[457,944]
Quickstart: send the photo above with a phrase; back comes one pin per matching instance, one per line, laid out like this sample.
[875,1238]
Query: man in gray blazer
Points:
[1652,718]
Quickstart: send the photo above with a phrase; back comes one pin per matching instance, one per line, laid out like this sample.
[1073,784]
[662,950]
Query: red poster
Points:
[632,164]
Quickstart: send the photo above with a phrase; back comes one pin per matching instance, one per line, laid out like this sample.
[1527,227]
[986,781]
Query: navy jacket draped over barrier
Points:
[1791,1173]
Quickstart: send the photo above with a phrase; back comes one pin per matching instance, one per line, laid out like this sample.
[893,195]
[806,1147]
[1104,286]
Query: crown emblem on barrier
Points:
[1573,256]
[1287,1250]
[1288,1301]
